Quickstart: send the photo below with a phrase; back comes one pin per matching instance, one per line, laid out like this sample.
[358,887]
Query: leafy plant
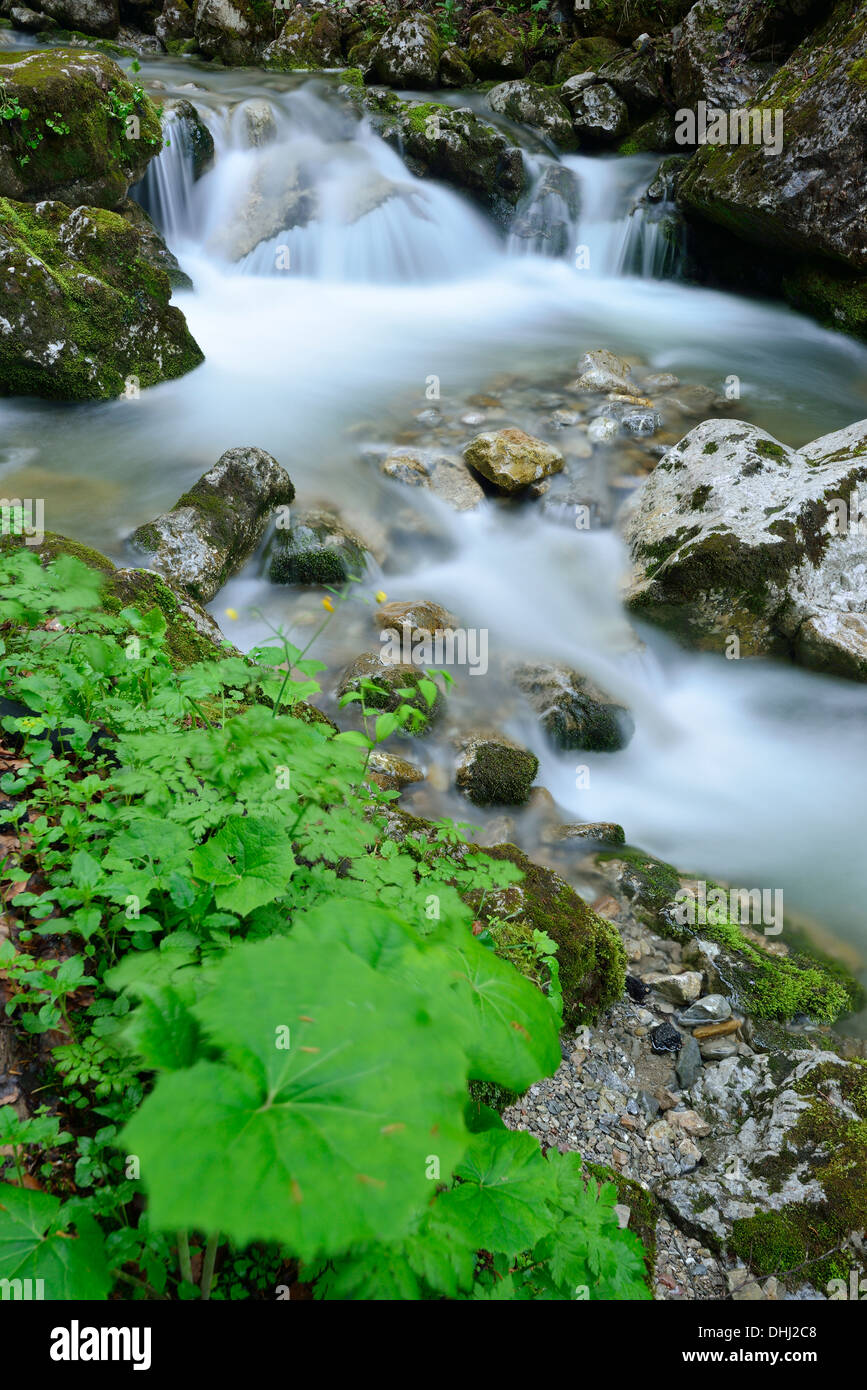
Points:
[273,1008]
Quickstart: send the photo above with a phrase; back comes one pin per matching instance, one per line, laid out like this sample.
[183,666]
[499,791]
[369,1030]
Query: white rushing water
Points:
[750,771]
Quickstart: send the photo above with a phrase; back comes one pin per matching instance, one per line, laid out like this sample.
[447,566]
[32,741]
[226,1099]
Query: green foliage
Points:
[274,1010]
[27,136]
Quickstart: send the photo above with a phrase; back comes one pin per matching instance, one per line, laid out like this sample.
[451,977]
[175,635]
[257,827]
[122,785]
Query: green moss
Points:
[590,953]
[490,1094]
[354,76]
[835,298]
[701,495]
[419,115]
[710,447]
[97,297]
[499,775]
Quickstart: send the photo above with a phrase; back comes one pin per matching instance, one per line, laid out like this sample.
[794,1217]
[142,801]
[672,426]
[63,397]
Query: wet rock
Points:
[492,50]
[600,832]
[457,146]
[584,55]
[455,71]
[175,25]
[639,78]
[677,989]
[511,459]
[599,115]
[389,679]
[706,67]
[603,430]
[187,125]
[258,122]
[496,771]
[711,1008]
[807,203]
[306,41]
[665,1038]
[84,305]
[536,107]
[408,54]
[28,21]
[315,548]
[94,163]
[601,370]
[421,617]
[714,1049]
[734,533]
[574,712]
[97,17]
[636,988]
[444,474]
[545,225]
[215,527]
[235,31]
[689,1062]
[391,773]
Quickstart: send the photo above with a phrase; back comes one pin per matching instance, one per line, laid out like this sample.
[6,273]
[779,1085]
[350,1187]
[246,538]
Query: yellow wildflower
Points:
[232,613]
[326,603]
[380,596]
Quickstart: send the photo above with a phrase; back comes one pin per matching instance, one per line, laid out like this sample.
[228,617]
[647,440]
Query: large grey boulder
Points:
[97,17]
[735,534]
[600,115]
[216,526]
[408,53]
[707,65]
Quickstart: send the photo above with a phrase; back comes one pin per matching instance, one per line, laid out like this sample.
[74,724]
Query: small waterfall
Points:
[595,210]
[300,185]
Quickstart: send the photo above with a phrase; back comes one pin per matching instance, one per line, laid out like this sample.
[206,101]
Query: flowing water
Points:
[321,342]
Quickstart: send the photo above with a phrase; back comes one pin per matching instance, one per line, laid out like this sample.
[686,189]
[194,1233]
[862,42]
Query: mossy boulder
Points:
[600,116]
[103,131]
[175,26]
[735,535]
[781,1186]
[306,41]
[455,71]
[186,124]
[707,65]
[639,78]
[84,311]
[494,771]
[235,31]
[152,247]
[98,17]
[215,527]
[536,107]
[590,954]
[315,548]
[492,49]
[584,55]
[810,200]
[455,145]
[408,54]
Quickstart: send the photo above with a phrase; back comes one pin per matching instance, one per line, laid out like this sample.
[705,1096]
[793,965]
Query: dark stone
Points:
[688,1064]
[636,989]
[665,1038]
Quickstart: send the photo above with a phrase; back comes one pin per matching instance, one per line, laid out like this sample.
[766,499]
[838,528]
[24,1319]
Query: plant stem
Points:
[208,1265]
[184,1257]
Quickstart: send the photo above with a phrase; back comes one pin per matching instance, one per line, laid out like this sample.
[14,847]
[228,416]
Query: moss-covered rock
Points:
[590,954]
[573,711]
[98,17]
[456,146]
[187,125]
[511,460]
[492,49]
[235,31]
[84,312]
[707,65]
[494,771]
[191,633]
[88,134]
[316,548]
[455,71]
[175,26]
[536,107]
[306,41]
[216,526]
[809,200]
[585,55]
